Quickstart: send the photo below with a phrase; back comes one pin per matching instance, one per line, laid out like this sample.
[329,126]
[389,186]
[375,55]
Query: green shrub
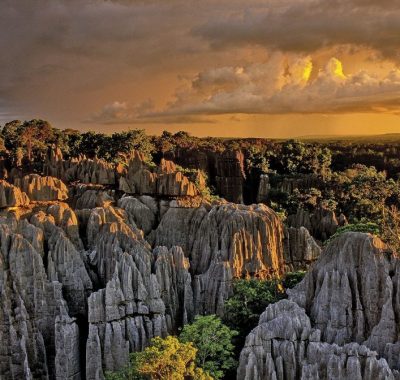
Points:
[368,227]
[213,341]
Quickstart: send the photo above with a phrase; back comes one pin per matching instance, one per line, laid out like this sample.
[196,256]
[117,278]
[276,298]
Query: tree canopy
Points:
[213,340]
[164,359]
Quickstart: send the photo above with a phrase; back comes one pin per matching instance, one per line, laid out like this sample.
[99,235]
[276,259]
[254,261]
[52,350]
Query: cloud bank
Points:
[273,88]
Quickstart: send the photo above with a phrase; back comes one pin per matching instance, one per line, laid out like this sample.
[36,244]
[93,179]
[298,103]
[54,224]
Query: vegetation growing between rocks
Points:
[251,297]
[371,228]
[203,351]
[164,359]
[213,340]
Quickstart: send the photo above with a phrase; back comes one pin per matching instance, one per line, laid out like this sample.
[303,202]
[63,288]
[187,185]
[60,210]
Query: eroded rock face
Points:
[339,322]
[285,346]
[138,177]
[300,248]
[40,188]
[322,223]
[128,309]
[223,242]
[230,175]
[264,187]
[167,180]
[85,196]
[82,169]
[102,275]
[35,328]
[11,196]
[175,281]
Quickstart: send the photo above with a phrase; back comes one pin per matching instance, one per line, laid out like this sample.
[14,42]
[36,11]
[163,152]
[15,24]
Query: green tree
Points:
[292,156]
[11,134]
[164,359]
[91,143]
[362,191]
[369,227]
[390,228]
[292,279]
[213,341]
[250,298]
[35,137]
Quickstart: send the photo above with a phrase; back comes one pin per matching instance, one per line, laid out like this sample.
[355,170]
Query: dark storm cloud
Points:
[309,25]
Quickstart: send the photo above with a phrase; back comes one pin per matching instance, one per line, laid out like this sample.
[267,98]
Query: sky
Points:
[246,68]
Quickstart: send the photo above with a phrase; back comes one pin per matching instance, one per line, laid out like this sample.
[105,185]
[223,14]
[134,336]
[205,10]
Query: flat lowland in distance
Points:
[383,138]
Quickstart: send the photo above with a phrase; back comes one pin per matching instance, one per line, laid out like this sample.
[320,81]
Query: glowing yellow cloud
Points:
[307,71]
[335,67]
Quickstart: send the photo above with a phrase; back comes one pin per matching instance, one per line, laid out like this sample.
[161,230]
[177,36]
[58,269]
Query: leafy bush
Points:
[164,359]
[368,227]
[213,340]
[250,298]
[292,279]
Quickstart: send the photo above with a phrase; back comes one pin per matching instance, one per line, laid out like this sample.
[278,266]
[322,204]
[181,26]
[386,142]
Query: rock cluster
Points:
[322,223]
[222,242]
[39,338]
[40,188]
[339,322]
[137,177]
[264,187]
[82,287]
[225,171]
[11,196]
[82,169]
[300,249]
[285,346]
[167,180]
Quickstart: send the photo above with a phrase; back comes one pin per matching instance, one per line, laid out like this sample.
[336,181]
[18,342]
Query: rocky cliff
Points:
[340,322]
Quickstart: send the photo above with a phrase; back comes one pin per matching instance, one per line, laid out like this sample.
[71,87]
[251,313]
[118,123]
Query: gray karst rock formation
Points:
[285,345]
[89,285]
[300,248]
[264,187]
[11,196]
[83,196]
[35,328]
[93,171]
[223,242]
[137,178]
[84,283]
[322,223]
[230,175]
[40,188]
[167,180]
[340,322]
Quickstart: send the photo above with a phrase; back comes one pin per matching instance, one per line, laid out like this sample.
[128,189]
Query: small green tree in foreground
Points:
[164,359]
[213,341]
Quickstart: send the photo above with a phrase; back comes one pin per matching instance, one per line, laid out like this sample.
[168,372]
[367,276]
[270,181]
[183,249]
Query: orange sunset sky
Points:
[274,68]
